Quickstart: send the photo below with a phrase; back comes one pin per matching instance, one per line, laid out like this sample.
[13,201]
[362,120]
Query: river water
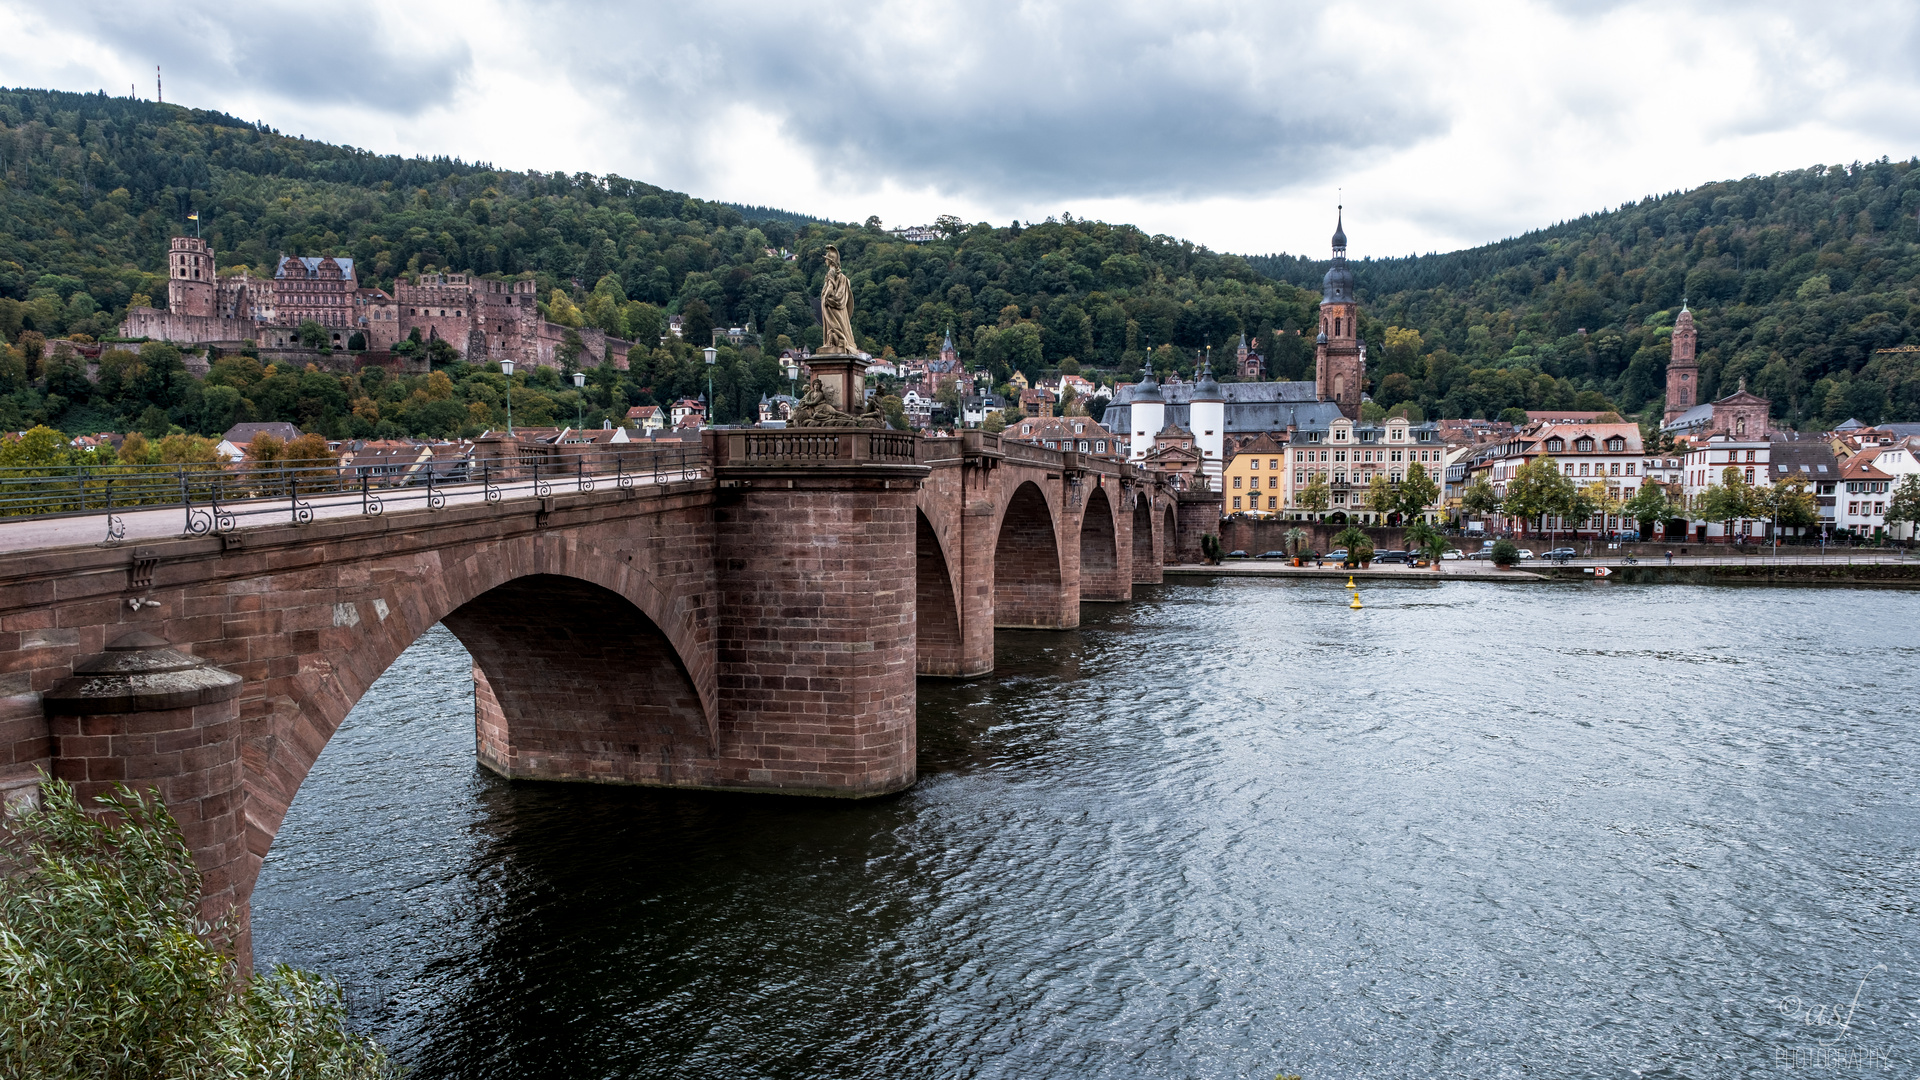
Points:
[1232,829]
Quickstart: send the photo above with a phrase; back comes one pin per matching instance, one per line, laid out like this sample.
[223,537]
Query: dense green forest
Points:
[1795,279]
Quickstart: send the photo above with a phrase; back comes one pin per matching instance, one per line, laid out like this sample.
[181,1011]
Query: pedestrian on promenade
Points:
[1669,558]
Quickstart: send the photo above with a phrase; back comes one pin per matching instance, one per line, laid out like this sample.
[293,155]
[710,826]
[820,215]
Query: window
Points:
[1749,455]
[1273,463]
[1749,475]
[1236,498]
[1273,502]
[1236,483]
[1100,446]
[1615,471]
[1585,446]
[1616,444]
[1253,463]
[1273,481]
[1299,477]
[1554,446]
[1083,446]
[1629,468]
[1583,468]
[1339,455]
[1569,468]
[1396,455]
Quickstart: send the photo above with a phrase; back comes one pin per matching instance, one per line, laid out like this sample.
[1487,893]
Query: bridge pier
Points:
[815,553]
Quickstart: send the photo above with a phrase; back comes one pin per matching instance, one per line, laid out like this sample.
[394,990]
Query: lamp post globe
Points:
[579,409]
[506,368]
[712,354]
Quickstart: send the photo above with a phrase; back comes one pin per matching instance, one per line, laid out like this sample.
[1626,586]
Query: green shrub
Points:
[1505,553]
[107,972]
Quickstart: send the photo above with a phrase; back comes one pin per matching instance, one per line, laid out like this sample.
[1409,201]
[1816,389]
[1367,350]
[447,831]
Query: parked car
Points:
[1392,557]
[1525,553]
[1336,555]
[1271,555]
[1236,554]
[1630,534]
[1482,554]
[1561,553]
[1455,555]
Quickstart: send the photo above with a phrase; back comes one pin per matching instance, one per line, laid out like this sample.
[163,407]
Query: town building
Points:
[1257,472]
[1704,467]
[975,408]
[648,418]
[1866,485]
[1076,433]
[1813,461]
[1348,455]
[1740,415]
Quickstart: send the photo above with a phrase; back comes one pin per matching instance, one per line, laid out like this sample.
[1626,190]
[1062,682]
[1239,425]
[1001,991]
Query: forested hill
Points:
[1794,279]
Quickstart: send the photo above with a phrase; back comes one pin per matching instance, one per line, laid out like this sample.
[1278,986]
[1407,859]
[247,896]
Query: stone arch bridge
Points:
[756,623]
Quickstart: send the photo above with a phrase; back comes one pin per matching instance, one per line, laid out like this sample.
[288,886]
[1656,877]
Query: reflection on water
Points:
[1231,829]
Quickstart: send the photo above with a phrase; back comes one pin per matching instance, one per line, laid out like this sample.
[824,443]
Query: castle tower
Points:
[1683,375]
[190,277]
[1339,360]
[1207,415]
[1149,414]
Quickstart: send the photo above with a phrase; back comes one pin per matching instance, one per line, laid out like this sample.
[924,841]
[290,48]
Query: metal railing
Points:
[218,497]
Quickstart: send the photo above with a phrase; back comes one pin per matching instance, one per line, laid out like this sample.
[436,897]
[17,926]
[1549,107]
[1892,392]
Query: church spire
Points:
[1340,234]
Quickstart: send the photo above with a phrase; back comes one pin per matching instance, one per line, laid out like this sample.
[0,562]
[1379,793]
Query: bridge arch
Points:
[1103,576]
[1169,548]
[1027,575]
[937,628]
[518,606]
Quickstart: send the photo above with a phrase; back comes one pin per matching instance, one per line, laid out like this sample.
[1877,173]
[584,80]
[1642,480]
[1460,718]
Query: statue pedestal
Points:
[844,375]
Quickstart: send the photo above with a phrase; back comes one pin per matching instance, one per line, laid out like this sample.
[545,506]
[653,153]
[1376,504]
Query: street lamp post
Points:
[579,410]
[506,368]
[712,354]
[793,377]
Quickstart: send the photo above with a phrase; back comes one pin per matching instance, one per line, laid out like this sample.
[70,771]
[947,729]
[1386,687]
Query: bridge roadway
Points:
[754,622]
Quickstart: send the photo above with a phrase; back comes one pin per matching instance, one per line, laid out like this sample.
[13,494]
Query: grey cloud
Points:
[1079,99]
[331,53]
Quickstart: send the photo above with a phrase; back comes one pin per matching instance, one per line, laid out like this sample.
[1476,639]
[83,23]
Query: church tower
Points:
[1683,375]
[1340,363]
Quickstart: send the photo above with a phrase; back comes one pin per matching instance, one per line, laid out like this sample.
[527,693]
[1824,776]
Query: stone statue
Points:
[817,409]
[836,308]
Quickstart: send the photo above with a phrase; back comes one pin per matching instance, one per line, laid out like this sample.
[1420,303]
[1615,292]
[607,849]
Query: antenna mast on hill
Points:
[159,93]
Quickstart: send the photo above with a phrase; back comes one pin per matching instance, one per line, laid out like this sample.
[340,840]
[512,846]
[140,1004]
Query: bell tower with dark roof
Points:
[1340,363]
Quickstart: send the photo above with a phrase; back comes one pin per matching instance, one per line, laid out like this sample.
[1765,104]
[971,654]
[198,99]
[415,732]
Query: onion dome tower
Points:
[1339,365]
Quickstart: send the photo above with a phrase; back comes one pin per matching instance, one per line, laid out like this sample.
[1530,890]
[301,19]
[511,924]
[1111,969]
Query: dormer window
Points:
[1554,446]
[1616,444]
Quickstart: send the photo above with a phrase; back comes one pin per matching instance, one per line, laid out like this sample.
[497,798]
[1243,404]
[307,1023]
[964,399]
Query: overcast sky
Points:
[1236,125]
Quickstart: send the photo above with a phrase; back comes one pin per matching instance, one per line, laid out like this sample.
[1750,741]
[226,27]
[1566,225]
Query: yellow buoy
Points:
[1350,581]
[1356,601]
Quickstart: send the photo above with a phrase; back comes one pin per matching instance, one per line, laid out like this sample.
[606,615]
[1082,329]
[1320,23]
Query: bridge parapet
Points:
[813,446]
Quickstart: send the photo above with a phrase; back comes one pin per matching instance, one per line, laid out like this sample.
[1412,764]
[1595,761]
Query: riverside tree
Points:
[107,972]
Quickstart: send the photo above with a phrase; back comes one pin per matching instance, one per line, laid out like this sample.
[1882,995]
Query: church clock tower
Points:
[1683,374]
[1340,360]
